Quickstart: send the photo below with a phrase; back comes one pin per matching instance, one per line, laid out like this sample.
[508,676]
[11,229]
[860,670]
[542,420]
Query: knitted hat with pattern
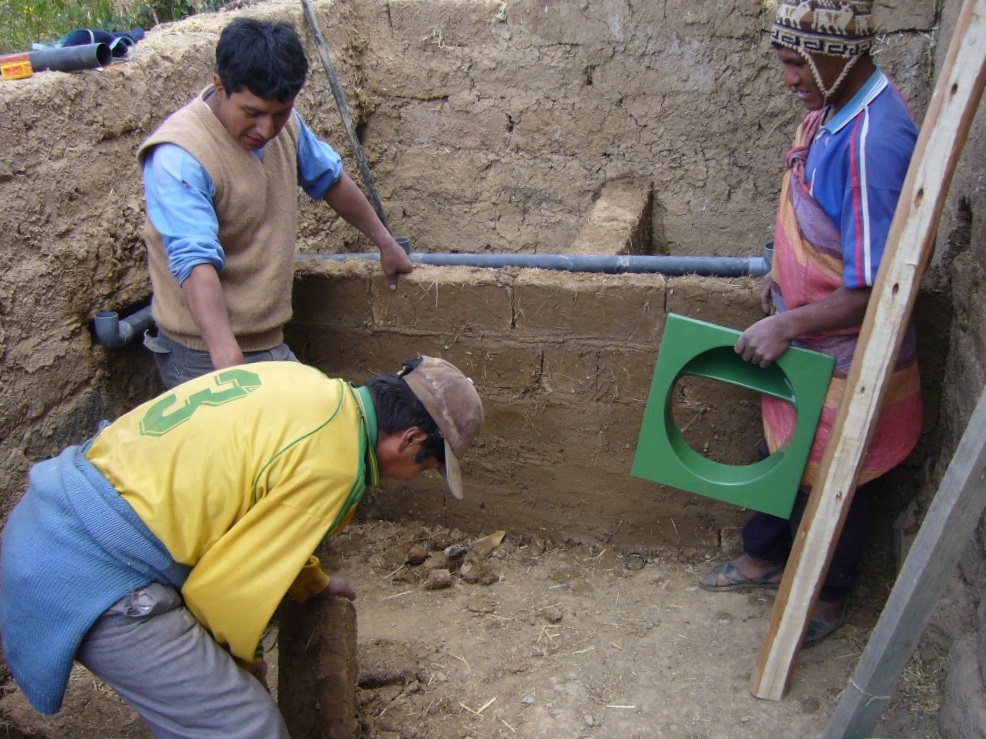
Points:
[836,28]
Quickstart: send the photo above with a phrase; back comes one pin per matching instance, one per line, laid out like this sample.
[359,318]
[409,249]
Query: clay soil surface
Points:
[549,639]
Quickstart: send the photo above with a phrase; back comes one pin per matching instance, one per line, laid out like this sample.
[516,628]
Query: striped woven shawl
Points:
[808,266]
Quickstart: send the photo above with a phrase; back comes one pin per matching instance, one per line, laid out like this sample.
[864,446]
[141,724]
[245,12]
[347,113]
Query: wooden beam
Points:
[908,249]
[947,529]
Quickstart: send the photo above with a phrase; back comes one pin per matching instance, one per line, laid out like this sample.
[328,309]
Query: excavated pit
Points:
[490,127]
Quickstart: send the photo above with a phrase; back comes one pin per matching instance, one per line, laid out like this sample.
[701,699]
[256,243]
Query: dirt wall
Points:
[564,364]
[488,125]
[959,623]
[534,105]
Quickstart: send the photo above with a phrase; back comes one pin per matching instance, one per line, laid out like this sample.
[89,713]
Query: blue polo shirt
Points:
[856,168]
[179,196]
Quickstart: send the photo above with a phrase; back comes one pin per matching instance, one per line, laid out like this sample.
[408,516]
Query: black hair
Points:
[265,57]
[398,408]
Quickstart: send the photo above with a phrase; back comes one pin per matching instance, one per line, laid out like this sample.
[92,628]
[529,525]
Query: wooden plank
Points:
[947,529]
[908,249]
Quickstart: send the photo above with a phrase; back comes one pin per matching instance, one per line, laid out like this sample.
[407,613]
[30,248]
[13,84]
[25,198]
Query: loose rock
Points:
[437,561]
[416,554]
[478,573]
[438,579]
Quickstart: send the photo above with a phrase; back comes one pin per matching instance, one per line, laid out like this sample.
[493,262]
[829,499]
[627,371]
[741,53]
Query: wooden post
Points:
[908,249]
[347,119]
[944,535]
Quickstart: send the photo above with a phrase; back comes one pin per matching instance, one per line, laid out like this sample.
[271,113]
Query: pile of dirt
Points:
[549,639]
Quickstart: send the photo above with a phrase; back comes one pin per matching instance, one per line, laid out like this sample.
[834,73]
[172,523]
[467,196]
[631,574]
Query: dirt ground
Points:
[553,639]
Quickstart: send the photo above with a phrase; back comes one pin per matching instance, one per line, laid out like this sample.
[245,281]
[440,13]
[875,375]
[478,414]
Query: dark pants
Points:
[177,363]
[768,540]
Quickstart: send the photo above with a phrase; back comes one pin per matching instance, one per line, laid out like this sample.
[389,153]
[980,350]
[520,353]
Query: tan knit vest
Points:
[256,203]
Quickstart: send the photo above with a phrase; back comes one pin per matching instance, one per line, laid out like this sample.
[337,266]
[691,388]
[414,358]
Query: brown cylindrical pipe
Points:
[317,668]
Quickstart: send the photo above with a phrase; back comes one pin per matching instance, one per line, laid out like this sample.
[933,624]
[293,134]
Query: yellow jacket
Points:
[241,474]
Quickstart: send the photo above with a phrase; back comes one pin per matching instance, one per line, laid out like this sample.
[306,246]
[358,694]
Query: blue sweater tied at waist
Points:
[71,548]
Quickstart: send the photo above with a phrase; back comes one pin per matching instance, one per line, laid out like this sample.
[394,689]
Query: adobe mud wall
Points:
[521,111]
[959,624]
[489,126]
[564,365]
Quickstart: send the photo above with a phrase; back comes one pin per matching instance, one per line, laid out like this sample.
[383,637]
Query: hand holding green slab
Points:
[696,348]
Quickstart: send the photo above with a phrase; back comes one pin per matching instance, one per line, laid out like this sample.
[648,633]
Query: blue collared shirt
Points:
[179,196]
[856,168]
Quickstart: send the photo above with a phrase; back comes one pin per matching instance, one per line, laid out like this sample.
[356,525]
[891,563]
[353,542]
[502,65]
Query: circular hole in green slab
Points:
[720,421]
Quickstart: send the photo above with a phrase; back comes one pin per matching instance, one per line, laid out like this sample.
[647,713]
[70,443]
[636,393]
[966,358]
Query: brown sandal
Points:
[736,580]
[819,630]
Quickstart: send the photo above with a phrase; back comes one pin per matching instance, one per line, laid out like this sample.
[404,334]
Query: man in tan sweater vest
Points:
[220,178]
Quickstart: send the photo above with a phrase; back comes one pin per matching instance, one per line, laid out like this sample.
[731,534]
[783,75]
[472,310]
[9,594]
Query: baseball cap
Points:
[453,403]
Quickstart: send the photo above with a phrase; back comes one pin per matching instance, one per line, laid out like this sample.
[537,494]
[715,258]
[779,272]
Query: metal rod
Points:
[347,121]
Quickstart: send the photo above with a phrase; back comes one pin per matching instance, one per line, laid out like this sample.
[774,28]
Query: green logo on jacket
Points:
[232,384]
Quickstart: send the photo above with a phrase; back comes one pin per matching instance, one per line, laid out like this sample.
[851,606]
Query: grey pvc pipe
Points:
[659,264]
[113,332]
[71,58]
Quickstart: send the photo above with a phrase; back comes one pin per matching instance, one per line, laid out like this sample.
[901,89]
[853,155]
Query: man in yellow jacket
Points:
[157,552]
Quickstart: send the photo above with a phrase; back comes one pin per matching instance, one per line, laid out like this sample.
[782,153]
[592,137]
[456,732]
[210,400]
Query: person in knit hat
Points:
[156,553]
[844,176]
[221,178]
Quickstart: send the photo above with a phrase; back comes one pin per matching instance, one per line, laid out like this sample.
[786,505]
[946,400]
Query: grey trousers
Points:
[161,661]
[177,363]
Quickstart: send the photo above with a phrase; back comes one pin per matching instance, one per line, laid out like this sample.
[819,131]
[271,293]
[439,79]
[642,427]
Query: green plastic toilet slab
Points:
[696,348]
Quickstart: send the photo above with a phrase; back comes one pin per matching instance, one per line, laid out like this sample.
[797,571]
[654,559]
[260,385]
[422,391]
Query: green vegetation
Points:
[25,22]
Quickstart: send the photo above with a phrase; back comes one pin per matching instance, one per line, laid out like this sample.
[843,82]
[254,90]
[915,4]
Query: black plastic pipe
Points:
[71,58]
[648,264]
